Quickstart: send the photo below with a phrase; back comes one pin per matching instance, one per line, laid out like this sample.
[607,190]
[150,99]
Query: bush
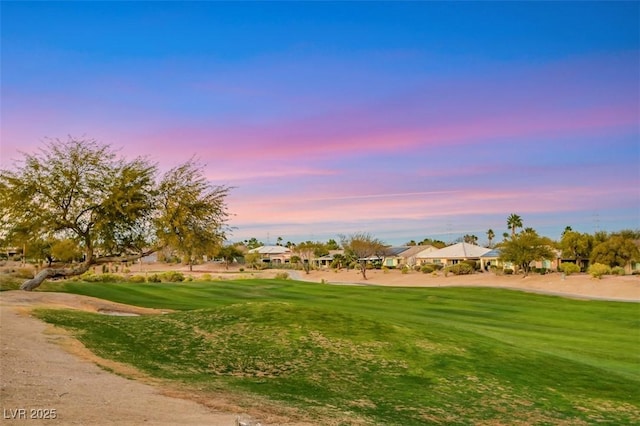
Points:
[137,279]
[206,277]
[90,277]
[282,276]
[508,271]
[460,269]
[569,268]
[618,270]
[597,270]
[153,278]
[171,277]
[472,263]
[405,269]
[26,273]
[427,269]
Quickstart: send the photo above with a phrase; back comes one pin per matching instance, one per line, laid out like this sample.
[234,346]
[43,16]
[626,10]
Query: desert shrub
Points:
[472,263]
[597,270]
[405,269]
[206,277]
[618,270]
[569,268]
[282,276]
[171,277]
[136,279]
[153,278]
[23,273]
[541,271]
[241,269]
[427,269]
[90,277]
[507,271]
[460,269]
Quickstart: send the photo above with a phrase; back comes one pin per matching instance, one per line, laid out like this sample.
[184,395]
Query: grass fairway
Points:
[379,355]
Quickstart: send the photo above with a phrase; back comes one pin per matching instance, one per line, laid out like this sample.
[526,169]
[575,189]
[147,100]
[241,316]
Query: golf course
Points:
[347,354]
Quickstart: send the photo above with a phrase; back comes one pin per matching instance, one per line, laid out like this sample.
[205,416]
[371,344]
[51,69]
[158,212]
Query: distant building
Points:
[273,254]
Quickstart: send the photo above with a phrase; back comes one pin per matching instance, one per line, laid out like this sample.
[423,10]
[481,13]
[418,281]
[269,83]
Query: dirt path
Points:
[39,378]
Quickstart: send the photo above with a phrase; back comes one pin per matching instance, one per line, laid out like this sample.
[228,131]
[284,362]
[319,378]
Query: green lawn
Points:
[380,355]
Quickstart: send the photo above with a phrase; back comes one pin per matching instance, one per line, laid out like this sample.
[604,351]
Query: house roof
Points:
[458,251]
[410,251]
[493,253]
[424,250]
[395,251]
[270,250]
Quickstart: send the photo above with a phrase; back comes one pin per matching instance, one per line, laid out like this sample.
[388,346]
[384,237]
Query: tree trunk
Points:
[53,273]
[363,269]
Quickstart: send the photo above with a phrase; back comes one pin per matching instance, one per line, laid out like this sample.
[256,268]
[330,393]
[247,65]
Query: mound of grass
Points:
[381,355]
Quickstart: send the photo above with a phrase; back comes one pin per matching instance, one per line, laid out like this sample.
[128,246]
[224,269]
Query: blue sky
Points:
[403,119]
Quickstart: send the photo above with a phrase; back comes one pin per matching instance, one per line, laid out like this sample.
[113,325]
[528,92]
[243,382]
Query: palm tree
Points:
[513,222]
[470,239]
[490,236]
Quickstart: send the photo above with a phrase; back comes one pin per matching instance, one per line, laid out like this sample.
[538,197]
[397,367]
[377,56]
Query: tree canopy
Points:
[525,247]
[362,246]
[113,209]
[619,249]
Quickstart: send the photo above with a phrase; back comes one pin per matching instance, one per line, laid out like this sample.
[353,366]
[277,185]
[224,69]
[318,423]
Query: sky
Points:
[405,120]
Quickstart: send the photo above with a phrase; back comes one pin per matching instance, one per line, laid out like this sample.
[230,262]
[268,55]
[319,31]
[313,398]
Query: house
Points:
[326,260]
[492,258]
[273,254]
[454,254]
[399,256]
[420,257]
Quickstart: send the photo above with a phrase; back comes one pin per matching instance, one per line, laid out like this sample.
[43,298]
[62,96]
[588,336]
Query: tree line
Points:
[76,203]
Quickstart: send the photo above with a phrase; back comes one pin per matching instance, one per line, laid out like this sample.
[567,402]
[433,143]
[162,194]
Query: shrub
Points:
[153,278]
[137,279]
[101,278]
[171,277]
[618,270]
[241,269]
[508,271]
[569,268]
[405,270]
[26,273]
[282,276]
[427,269]
[385,269]
[472,263]
[597,270]
[460,269]
[206,277]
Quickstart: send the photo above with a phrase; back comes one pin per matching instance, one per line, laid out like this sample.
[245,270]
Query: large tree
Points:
[192,212]
[576,245]
[112,208]
[362,246]
[309,250]
[620,249]
[525,247]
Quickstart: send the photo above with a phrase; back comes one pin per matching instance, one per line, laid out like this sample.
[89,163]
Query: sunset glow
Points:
[405,120]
